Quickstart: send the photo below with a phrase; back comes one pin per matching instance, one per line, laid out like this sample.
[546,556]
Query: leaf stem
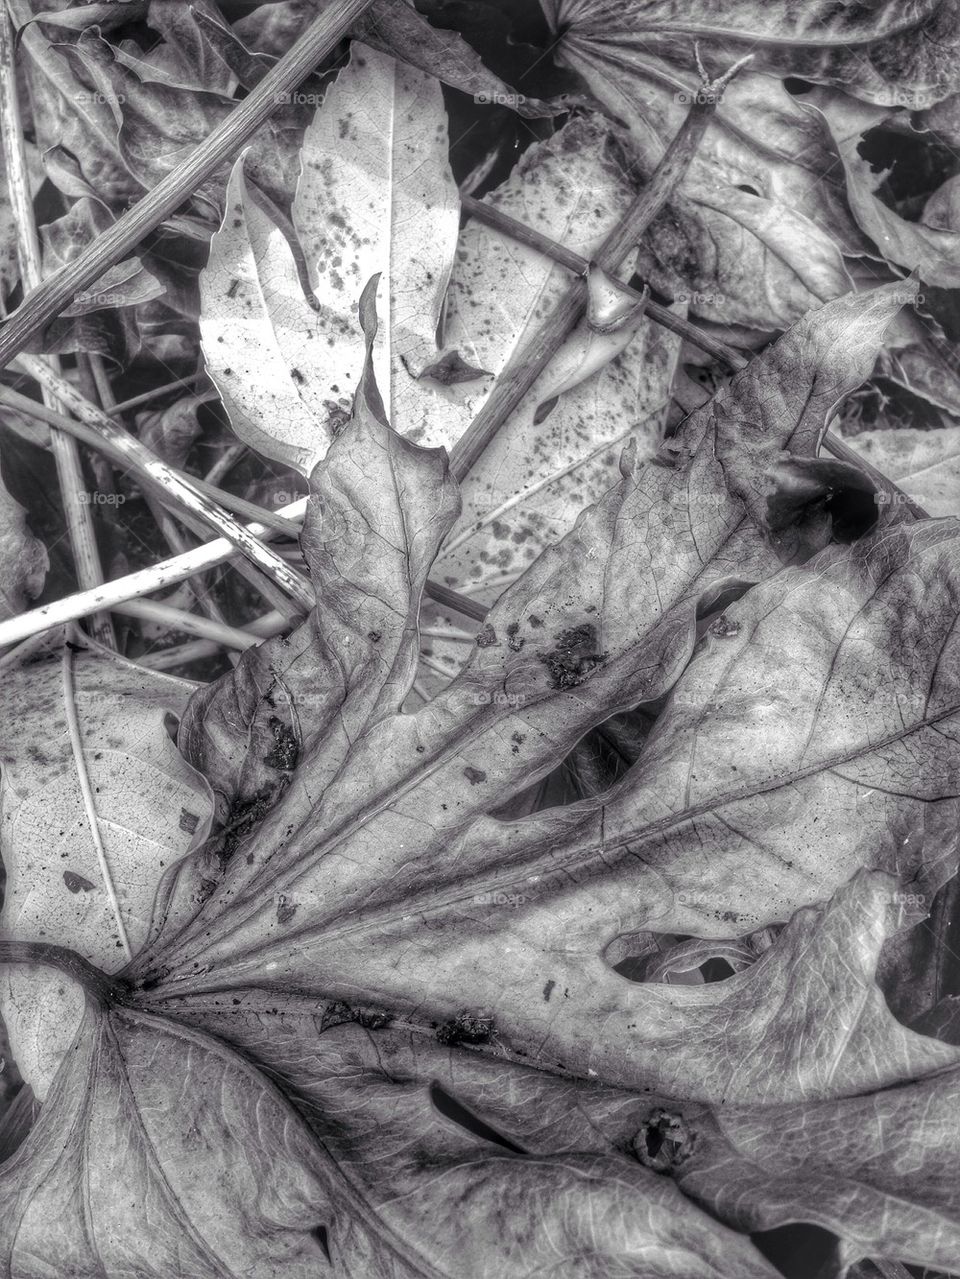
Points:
[46,301]
[190,624]
[453,599]
[523,234]
[137,401]
[77,513]
[100,986]
[528,361]
[133,586]
[496,218]
[179,488]
[107,444]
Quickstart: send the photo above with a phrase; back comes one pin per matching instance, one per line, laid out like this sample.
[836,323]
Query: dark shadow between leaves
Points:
[458,1113]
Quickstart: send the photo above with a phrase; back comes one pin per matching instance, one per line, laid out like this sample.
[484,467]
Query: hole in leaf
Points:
[457,1113]
[322,1236]
[633,967]
[798,1250]
[545,409]
[716,970]
[664,1142]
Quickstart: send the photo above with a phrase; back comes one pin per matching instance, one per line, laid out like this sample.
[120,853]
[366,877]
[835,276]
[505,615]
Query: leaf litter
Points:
[577,932]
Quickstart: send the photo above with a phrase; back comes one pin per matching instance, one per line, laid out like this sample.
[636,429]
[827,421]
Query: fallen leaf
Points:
[879,51]
[376,196]
[24,558]
[925,464]
[150,808]
[928,246]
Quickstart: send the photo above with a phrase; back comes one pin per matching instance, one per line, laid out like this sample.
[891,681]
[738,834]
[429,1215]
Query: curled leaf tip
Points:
[611,307]
[368,393]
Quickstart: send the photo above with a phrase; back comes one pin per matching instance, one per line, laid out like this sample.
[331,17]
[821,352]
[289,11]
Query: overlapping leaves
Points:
[347,950]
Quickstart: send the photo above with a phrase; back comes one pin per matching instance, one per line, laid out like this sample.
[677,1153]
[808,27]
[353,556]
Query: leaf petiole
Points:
[99,986]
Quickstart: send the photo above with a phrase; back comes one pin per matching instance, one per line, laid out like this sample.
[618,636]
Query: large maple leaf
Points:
[393,1035]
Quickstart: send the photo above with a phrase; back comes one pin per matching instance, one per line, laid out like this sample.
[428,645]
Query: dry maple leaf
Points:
[391,1041]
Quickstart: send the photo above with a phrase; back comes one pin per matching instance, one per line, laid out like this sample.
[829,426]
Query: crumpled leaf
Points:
[76,129]
[925,464]
[533,479]
[273,1182]
[565,647]
[152,808]
[159,122]
[381,879]
[754,233]
[126,283]
[885,1180]
[714,546]
[930,246]
[23,556]
[381,1090]
[881,50]
[115,1144]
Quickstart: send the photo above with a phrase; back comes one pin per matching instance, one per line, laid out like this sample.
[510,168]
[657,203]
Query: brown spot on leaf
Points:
[474,775]
[574,657]
[286,748]
[77,883]
[664,1142]
[188,821]
[465,1028]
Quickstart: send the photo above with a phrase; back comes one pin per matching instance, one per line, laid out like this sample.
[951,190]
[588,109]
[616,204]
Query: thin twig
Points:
[462,604]
[528,361]
[496,218]
[189,623]
[165,659]
[137,401]
[77,513]
[133,586]
[225,463]
[106,444]
[523,234]
[49,299]
[169,530]
[181,489]
[269,519]
[270,624]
